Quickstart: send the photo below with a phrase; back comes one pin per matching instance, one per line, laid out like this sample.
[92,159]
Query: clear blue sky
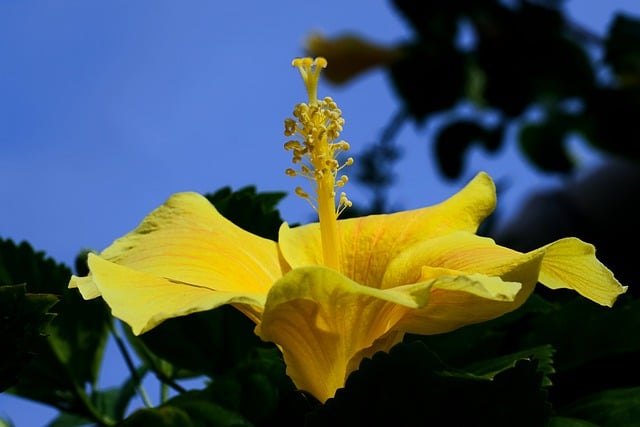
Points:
[106,108]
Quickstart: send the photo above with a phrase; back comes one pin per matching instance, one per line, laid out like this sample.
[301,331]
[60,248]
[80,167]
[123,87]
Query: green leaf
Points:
[570,422]
[164,416]
[411,386]
[192,409]
[165,371]
[490,368]
[69,420]
[257,388]
[71,355]
[22,324]
[216,340]
[609,408]
[487,340]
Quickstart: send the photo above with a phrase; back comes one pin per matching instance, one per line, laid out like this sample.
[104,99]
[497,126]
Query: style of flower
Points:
[331,293]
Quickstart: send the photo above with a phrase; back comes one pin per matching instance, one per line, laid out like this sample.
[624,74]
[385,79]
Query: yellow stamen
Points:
[318,124]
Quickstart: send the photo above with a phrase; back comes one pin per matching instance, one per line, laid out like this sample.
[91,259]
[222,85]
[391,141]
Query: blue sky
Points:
[106,108]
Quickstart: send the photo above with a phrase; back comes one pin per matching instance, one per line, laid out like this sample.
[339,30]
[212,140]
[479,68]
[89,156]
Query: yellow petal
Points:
[457,301]
[463,252]
[571,263]
[144,300]
[493,280]
[325,323]
[187,240]
[369,243]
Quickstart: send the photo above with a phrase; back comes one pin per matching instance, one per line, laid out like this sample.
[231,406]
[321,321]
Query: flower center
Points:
[316,127]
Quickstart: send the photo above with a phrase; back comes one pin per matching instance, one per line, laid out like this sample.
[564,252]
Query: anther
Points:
[301,193]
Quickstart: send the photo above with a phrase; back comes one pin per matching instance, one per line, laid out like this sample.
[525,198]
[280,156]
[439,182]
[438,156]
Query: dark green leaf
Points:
[259,389]
[410,386]
[22,323]
[609,408]
[570,422]
[192,409]
[164,416]
[69,420]
[487,340]
[593,351]
[71,355]
[490,368]
[216,339]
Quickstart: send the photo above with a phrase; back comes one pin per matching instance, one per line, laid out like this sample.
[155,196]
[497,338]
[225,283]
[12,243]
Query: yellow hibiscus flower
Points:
[334,292]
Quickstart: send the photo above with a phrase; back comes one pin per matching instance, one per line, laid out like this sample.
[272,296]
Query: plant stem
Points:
[129,362]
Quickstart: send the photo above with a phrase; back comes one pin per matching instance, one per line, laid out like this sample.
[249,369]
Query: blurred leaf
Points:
[454,140]
[410,386]
[429,78]
[622,48]
[610,408]
[544,145]
[24,317]
[252,211]
[519,50]
[611,114]
[71,355]
[432,20]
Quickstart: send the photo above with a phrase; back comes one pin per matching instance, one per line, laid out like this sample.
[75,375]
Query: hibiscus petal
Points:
[187,240]
[464,253]
[322,320]
[144,300]
[325,323]
[369,243]
[477,280]
[457,301]
[571,263]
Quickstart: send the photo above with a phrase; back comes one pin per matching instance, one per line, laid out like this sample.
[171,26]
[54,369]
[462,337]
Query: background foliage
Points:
[483,71]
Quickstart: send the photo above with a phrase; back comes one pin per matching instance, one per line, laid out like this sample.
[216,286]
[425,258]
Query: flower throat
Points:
[316,127]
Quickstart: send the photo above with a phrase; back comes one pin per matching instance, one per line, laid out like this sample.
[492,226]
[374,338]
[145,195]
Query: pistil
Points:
[318,124]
